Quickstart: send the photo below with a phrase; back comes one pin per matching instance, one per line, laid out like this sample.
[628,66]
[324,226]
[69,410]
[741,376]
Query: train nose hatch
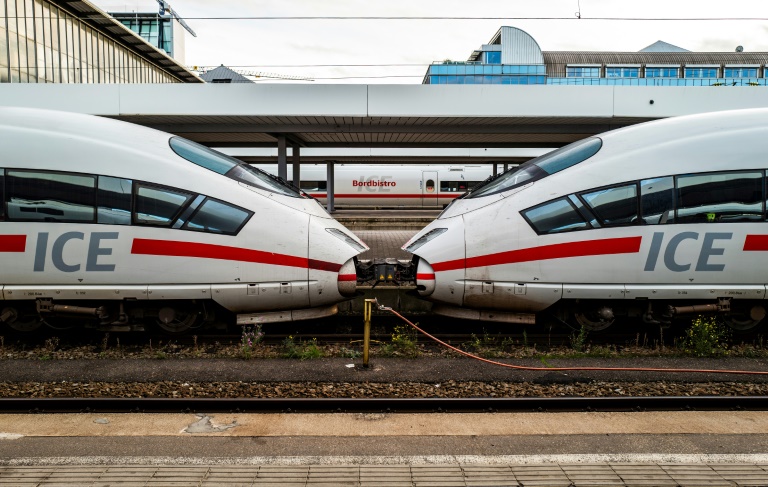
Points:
[425,278]
[347,279]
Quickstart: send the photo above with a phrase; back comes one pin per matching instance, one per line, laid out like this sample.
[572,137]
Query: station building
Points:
[513,57]
[73,41]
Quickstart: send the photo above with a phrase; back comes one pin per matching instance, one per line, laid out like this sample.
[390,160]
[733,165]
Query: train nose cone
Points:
[347,279]
[425,278]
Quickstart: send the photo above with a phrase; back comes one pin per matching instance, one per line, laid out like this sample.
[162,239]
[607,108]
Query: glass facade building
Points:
[45,41]
[513,57]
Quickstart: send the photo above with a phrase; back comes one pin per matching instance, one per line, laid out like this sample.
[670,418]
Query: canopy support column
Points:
[282,157]
[296,161]
[330,187]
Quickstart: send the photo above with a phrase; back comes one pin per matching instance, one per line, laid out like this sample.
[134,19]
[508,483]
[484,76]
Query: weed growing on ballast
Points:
[249,340]
[403,343]
[706,338]
[301,350]
[579,340]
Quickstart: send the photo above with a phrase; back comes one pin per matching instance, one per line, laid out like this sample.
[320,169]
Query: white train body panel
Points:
[432,186]
[281,258]
[701,249]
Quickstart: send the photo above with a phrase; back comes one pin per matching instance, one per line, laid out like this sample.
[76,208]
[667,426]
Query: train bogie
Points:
[116,225]
[659,220]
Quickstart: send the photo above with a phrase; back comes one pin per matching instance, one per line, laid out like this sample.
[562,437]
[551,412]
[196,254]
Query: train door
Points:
[429,189]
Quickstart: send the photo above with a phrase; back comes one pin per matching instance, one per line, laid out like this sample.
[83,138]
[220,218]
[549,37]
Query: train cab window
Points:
[539,168]
[720,197]
[50,196]
[158,206]
[218,217]
[614,206]
[657,200]
[555,217]
[114,201]
[230,167]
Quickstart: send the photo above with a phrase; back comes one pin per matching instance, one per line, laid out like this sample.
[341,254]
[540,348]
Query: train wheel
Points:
[21,320]
[595,318]
[745,318]
[176,320]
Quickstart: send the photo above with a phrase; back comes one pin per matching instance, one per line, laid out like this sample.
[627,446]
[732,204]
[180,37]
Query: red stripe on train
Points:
[13,243]
[756,243]
[347,277]
[425,277]
[172,248]
[608,246]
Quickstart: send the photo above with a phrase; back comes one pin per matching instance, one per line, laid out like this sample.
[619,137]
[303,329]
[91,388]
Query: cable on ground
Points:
[562,369]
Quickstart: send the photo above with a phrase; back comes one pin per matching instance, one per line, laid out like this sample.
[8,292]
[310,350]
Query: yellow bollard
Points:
[367,311]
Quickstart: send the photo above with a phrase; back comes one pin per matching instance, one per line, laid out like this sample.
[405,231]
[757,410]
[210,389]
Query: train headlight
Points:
[346,238]
[432,234]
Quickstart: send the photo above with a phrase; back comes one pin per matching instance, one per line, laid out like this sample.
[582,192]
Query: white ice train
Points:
[124,225]
[387,186]
[659,219]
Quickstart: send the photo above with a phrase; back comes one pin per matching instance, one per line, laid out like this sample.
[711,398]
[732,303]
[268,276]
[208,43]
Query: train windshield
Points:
[539,168]
[231,167]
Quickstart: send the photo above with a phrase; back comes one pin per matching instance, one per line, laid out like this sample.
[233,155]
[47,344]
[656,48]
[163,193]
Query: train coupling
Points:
[373,272]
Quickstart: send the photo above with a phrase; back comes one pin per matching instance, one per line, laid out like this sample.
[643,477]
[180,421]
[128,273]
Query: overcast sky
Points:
[268,45]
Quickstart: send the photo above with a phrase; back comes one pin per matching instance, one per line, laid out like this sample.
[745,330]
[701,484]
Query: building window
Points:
[582,72]
[622,72]
[493,57]
[701,72]
[661,72]
[740,73]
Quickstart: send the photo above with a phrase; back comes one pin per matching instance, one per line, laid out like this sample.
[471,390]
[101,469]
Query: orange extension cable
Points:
[558,369]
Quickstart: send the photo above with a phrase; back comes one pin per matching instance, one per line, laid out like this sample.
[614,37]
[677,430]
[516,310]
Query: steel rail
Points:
[381,405]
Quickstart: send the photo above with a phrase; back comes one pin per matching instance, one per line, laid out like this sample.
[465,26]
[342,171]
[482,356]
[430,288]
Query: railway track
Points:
[382,405]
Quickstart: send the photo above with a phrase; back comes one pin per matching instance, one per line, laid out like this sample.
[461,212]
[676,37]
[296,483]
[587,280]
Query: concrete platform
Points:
[519,449]
[458,474]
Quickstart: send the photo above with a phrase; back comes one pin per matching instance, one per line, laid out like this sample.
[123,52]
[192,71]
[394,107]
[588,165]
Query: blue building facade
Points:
[513,57]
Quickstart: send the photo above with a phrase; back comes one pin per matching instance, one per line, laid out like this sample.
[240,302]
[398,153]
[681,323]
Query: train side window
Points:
[2,195]
[614,206]
[215,216]
[657,200]
[114,201]
[50,196]
[314,185]
[720,197]
[158,206]
[555,217]
[456,186]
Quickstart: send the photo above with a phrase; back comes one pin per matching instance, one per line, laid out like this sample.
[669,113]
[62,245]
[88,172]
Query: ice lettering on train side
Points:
[374,184]
[96,248]
[707,249]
